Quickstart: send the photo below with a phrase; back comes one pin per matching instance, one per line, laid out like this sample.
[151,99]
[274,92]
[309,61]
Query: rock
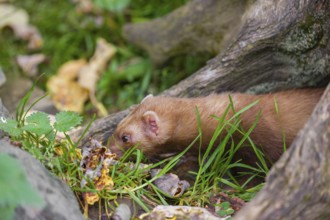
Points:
[179,213]
[61,203]
[3,78]
[16,88]
[3,114]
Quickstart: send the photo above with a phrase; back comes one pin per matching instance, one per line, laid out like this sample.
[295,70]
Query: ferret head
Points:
[145,127]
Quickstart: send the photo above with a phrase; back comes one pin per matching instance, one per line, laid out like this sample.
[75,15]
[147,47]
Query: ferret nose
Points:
[114,148]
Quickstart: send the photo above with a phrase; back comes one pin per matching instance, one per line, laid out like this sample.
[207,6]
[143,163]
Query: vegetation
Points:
[129,76]
[69,34]
[63,158]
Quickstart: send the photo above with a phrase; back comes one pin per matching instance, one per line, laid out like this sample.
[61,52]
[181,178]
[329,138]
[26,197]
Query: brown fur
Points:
[162,125]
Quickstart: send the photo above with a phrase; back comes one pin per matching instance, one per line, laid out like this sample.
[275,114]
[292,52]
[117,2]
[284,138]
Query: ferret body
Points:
[164,125]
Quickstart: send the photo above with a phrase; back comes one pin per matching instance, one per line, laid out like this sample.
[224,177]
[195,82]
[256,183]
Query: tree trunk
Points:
[198,26]
[274,45]
[282,44]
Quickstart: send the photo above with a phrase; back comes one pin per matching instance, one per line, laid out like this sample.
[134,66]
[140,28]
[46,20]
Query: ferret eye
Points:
[125,138]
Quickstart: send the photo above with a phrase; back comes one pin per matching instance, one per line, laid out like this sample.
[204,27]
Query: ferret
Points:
[165,125]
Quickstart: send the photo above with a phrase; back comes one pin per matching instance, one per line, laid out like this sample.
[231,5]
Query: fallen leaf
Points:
[90,197]
[95,163]
[95,158]
[235,202]
[30,34]
[58,150]
[11,15]
[105,181]
[75,81]
[29,63]
[18,21]
[70,69]
[170,183]
[89,75]
[67,95]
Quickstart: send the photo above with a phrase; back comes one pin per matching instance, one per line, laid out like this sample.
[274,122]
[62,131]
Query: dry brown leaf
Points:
[90,197]
[67,95]
[76,80]
[30,34]
[29,63]
[11,15]
[94,158]
[58,150]
[70,69]
[89,75]
[170,183]
[95,163]
[18,21]
[105,181]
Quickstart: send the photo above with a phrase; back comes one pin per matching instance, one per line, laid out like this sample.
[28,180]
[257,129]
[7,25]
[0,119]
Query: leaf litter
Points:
[29,63]
[18,20]
[95,164]
[75,82]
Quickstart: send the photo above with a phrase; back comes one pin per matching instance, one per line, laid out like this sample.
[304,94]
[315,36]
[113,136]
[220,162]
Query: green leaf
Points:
[14,187]
[222,213]
[10,126]
[65,121]
[230,211]
[225,205]
[38,123]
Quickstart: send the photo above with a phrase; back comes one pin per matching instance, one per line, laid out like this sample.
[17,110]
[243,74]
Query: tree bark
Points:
[198,26]
[280,44]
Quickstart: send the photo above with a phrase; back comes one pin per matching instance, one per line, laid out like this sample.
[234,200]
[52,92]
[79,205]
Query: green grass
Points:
[217,161]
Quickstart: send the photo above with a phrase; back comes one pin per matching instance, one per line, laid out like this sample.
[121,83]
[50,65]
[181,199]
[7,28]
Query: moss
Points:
[304,37]
[307,197]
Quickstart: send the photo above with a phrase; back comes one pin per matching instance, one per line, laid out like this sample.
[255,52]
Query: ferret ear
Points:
[145,98]
[151,120]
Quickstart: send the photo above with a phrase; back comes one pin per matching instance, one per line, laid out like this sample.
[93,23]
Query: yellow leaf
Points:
[70,70]
[91,198]
[78,153]
[58,150]
[105,181]
[90,74]
[67,95]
